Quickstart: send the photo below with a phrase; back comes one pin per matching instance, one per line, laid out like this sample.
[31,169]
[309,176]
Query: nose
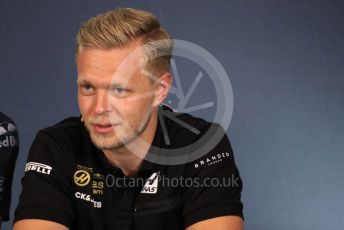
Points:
[101,102]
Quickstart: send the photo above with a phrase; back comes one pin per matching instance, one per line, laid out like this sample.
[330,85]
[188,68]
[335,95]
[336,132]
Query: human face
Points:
[116,100]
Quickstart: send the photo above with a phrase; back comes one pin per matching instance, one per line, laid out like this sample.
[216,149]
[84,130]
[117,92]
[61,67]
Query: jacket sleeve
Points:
[46,186]
[217,185]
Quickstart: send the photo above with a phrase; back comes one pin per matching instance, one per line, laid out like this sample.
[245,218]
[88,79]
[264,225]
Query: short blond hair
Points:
[118,27]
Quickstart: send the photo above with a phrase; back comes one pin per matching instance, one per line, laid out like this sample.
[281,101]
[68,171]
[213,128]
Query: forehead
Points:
[107,61]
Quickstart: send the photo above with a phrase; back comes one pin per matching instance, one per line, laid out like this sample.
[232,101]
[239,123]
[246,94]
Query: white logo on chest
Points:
[151,185]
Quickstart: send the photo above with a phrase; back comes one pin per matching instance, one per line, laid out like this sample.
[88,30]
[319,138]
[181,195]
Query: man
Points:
[84,173]
[8,156]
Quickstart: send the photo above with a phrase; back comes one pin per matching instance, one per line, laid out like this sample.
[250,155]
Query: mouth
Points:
[103,128]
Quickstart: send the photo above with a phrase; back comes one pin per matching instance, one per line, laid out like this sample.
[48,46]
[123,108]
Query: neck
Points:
[130,157]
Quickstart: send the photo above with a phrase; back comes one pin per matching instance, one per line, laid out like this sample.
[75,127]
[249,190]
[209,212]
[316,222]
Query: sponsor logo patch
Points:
[85,176]
[98,184]
[7,128]
[212,159]
[88,198]
[7,138]
[82,178]
[151,185]
[38,167]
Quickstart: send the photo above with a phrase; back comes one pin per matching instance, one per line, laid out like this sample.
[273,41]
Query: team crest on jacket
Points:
[151,185]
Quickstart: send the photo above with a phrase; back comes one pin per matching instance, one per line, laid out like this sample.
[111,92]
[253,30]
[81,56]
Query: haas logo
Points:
[151,186]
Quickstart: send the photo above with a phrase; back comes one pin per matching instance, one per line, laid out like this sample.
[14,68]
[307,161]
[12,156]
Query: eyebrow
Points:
[82,81]
[111,86]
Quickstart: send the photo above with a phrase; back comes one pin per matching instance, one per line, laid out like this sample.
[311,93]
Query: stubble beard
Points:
[113,141]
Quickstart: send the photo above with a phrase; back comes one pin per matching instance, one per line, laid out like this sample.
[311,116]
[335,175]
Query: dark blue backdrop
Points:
[285,62]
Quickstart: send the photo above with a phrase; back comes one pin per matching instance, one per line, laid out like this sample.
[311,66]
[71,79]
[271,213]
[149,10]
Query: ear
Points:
[162,88]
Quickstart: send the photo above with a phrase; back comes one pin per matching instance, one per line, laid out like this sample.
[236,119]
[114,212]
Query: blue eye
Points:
[87,89]
[120,90]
